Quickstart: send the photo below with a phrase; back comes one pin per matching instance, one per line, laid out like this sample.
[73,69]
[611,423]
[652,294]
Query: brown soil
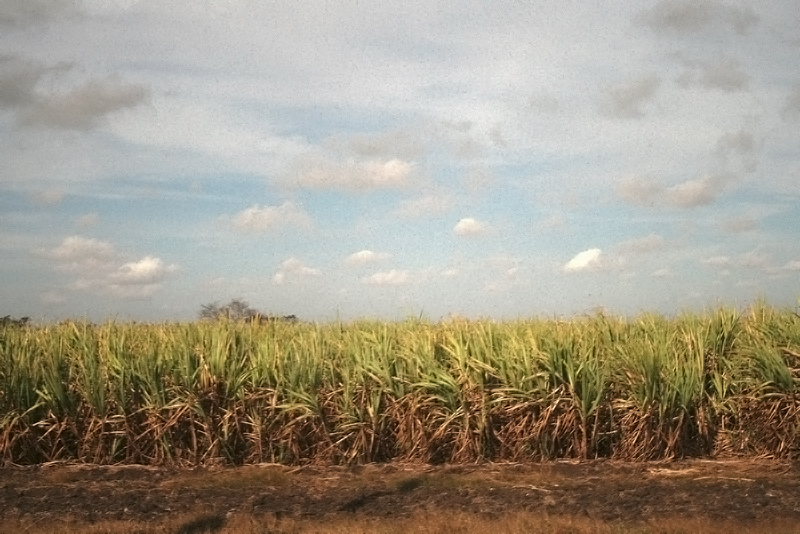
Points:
[754,495]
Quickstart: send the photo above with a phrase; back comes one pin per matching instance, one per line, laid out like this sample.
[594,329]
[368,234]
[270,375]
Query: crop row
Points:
[719,383]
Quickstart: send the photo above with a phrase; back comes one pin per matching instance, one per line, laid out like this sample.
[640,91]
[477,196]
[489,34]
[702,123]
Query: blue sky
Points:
[383,159]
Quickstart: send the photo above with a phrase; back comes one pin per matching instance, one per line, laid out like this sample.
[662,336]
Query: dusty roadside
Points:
[744,493]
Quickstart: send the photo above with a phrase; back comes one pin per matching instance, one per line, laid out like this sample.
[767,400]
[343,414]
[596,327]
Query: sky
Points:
[385,159]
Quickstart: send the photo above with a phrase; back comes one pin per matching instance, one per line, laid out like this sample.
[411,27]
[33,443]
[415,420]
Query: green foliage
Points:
[281,391]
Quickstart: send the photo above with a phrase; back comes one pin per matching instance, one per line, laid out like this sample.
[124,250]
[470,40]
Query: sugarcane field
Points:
[593,424]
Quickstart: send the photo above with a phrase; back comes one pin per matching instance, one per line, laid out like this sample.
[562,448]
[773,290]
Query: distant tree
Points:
[239,310]
[235,310]
[9,321]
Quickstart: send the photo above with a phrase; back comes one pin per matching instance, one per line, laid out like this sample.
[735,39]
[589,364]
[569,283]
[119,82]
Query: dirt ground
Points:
[755,495]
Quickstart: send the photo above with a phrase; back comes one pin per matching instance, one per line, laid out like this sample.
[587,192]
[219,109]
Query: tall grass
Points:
[720,383]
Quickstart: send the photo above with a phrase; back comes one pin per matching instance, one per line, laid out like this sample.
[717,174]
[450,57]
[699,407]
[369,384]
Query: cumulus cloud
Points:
[98,264]
[393,277]
[469,226]
[354,175]
[625,101]
[258,219]
[81,253]
[148,270]
[293,268]
[694,16]
[792,265]
[293,265]
[430,205]
[689,194]
[692,193]
[365,256]
[583,261]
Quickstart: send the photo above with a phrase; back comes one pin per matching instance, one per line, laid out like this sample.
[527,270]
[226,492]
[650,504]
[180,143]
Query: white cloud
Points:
[205,134]
[293,265]
[393,277]
[469,226]
[365,256]
[258,219]
[80,253]
[148,270]
[693,193]
[97,263]
[689,194]
[450,273]
[586,260]
[353,175]
[792,265]
[295,269]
